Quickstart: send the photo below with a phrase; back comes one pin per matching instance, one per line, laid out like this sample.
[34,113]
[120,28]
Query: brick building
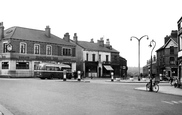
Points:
[167,56]
[23,48]
[99,59]
[179,35]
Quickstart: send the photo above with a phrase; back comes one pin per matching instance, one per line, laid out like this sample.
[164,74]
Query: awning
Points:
[108,67]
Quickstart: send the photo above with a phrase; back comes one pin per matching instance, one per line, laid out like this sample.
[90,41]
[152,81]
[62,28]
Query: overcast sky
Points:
[117,20]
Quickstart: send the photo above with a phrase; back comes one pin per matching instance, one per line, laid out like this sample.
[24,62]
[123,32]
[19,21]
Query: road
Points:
[97,97]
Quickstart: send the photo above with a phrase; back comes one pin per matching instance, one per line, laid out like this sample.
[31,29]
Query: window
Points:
[36,65]
[99,57]
[5,47]
[23,47]
[107,58]
[36,49]
[49,50]
[171,49]
[5,65]
[172,60]
[22,65]
[180,41]
[66,52]
[93,57]
[87,57]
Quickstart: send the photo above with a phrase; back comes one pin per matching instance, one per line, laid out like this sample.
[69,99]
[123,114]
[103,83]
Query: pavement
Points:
[166,89]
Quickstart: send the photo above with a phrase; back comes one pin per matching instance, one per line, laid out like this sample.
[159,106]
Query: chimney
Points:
[101,43]
[166,39]
[75,38]
[108,44]
[1,31]
[66,37]
[92,40]
[48,31]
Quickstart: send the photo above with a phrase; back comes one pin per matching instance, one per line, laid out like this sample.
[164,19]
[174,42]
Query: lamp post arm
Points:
[134,37]
[144,36]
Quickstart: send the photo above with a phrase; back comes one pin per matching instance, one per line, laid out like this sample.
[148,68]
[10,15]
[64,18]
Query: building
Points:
[179,35]
[167,56]
[147,69]
[98,59]
[22,49]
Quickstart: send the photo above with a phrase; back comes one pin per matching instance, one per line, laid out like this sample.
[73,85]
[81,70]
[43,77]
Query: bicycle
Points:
[155,86]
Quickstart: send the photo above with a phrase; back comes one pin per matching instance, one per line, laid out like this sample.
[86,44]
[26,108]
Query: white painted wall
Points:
[97,53]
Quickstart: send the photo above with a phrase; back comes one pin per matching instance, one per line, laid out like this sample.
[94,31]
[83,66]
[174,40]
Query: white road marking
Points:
[168,102]
[175,102]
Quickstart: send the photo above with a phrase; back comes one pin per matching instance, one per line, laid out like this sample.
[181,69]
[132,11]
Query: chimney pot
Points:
[75,38]
[48,31]
[1,31]
[92,40]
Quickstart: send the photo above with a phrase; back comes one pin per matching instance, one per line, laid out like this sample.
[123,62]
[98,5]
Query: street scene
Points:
[90,57]
[87,97]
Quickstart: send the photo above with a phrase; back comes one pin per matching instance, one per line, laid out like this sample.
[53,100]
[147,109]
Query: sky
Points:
[116,20]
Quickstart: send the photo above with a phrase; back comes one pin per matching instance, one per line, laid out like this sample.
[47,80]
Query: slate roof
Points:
[33,35]
[171,39]
[95,47]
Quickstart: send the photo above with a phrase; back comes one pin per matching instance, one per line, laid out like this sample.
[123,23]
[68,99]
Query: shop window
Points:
[36,65]
[5,65]
[36,49]
[23,47]
[22,65]
[49,50]
[172,60]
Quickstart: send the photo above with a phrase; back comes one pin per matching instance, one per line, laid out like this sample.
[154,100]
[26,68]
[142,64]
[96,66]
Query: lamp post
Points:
[139,51]
[152,43]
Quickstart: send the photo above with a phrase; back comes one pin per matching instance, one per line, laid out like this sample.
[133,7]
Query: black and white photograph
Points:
[91,57]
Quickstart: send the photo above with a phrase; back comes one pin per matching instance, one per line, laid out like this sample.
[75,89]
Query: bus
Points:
[50,71]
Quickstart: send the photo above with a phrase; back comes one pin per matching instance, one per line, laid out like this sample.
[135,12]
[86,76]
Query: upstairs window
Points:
[23,47]
[87,56]
[93,57]
[48,50]
[66,52]
[172,50]
[5,47]
[107,58]
[36,49]
[99,57]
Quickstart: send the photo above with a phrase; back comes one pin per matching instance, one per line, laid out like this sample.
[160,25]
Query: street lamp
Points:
[152,43]
[139,51]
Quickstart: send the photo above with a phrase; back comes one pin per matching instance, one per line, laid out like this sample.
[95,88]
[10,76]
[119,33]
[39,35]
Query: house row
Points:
[165,63]
[22,49]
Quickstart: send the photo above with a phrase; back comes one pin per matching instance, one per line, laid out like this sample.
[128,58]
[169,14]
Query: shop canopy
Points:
[108,67]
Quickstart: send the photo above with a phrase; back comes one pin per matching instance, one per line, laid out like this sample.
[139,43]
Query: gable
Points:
[171,43]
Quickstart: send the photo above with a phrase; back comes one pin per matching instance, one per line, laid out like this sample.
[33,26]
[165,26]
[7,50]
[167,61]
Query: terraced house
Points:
[99,59]
[22,49]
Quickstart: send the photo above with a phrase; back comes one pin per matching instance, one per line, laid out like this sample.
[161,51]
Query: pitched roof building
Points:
[22,49]
[167,56]
[99,59]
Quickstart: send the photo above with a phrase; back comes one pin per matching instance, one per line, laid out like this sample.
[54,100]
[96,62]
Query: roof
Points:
[171,39]
[95,47]
[33,35]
